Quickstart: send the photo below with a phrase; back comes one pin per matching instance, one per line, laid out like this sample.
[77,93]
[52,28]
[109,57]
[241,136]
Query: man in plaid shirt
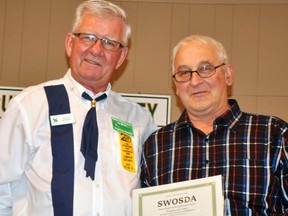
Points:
[214,137]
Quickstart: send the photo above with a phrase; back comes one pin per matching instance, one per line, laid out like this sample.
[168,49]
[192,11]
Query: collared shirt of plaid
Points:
[250,152]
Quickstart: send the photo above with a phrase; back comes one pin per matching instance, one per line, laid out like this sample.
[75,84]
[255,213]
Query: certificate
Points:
[199,197]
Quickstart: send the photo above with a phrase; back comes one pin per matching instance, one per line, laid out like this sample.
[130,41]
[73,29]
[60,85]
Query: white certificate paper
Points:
[199,197]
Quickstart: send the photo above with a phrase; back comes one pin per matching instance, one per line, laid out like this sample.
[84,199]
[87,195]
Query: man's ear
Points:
[123,55]
[68,43]
[229,74]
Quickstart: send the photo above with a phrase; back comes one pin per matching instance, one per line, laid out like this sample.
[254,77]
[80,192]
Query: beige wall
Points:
[255,33]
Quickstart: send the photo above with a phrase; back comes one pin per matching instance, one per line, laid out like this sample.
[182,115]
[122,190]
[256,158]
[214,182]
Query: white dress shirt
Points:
[26,160]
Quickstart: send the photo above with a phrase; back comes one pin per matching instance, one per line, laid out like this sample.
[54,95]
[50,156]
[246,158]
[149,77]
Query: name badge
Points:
[63,119]
[122,126]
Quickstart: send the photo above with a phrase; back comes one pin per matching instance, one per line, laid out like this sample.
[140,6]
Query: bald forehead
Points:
[196,50]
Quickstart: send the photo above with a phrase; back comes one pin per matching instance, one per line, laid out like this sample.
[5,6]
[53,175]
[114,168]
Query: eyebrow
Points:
[106,37]
[183,67]
[201,63]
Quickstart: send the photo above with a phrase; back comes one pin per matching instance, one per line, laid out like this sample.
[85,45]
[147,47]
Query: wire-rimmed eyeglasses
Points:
[204,71]
[90,40]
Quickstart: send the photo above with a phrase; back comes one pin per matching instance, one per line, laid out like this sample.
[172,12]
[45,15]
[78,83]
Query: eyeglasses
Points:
[204,71]
[90,40]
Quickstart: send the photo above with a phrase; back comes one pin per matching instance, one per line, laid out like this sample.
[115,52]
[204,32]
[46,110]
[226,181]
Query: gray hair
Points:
[221,52]
[101,8]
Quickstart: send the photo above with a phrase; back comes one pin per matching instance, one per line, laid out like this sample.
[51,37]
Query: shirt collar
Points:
[78,89]
[229,118]
[183,120]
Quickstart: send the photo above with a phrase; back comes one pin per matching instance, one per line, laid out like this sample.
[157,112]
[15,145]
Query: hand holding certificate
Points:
[200,197]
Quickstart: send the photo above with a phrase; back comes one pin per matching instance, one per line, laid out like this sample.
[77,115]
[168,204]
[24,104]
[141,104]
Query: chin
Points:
[200,106]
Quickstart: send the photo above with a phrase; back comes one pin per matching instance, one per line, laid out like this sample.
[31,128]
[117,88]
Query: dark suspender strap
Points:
[62,184]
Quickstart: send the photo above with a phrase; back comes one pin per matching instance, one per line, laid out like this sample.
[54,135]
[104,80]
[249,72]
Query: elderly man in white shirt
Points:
[41,169]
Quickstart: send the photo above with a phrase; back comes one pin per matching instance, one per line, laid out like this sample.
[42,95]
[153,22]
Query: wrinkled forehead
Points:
[193,52]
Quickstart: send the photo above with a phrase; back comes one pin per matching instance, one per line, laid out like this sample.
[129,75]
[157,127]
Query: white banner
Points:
[6,94]
[158,105]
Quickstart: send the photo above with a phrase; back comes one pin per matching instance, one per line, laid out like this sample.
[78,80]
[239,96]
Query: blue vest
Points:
[62,184]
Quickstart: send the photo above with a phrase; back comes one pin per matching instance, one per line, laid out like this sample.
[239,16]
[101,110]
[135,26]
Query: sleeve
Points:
[13,153]
[147,151]
[152,127]
[284,163]
[143,175]
[5,200]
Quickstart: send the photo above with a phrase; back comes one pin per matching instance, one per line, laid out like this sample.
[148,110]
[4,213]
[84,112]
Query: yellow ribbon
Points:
[127,152]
